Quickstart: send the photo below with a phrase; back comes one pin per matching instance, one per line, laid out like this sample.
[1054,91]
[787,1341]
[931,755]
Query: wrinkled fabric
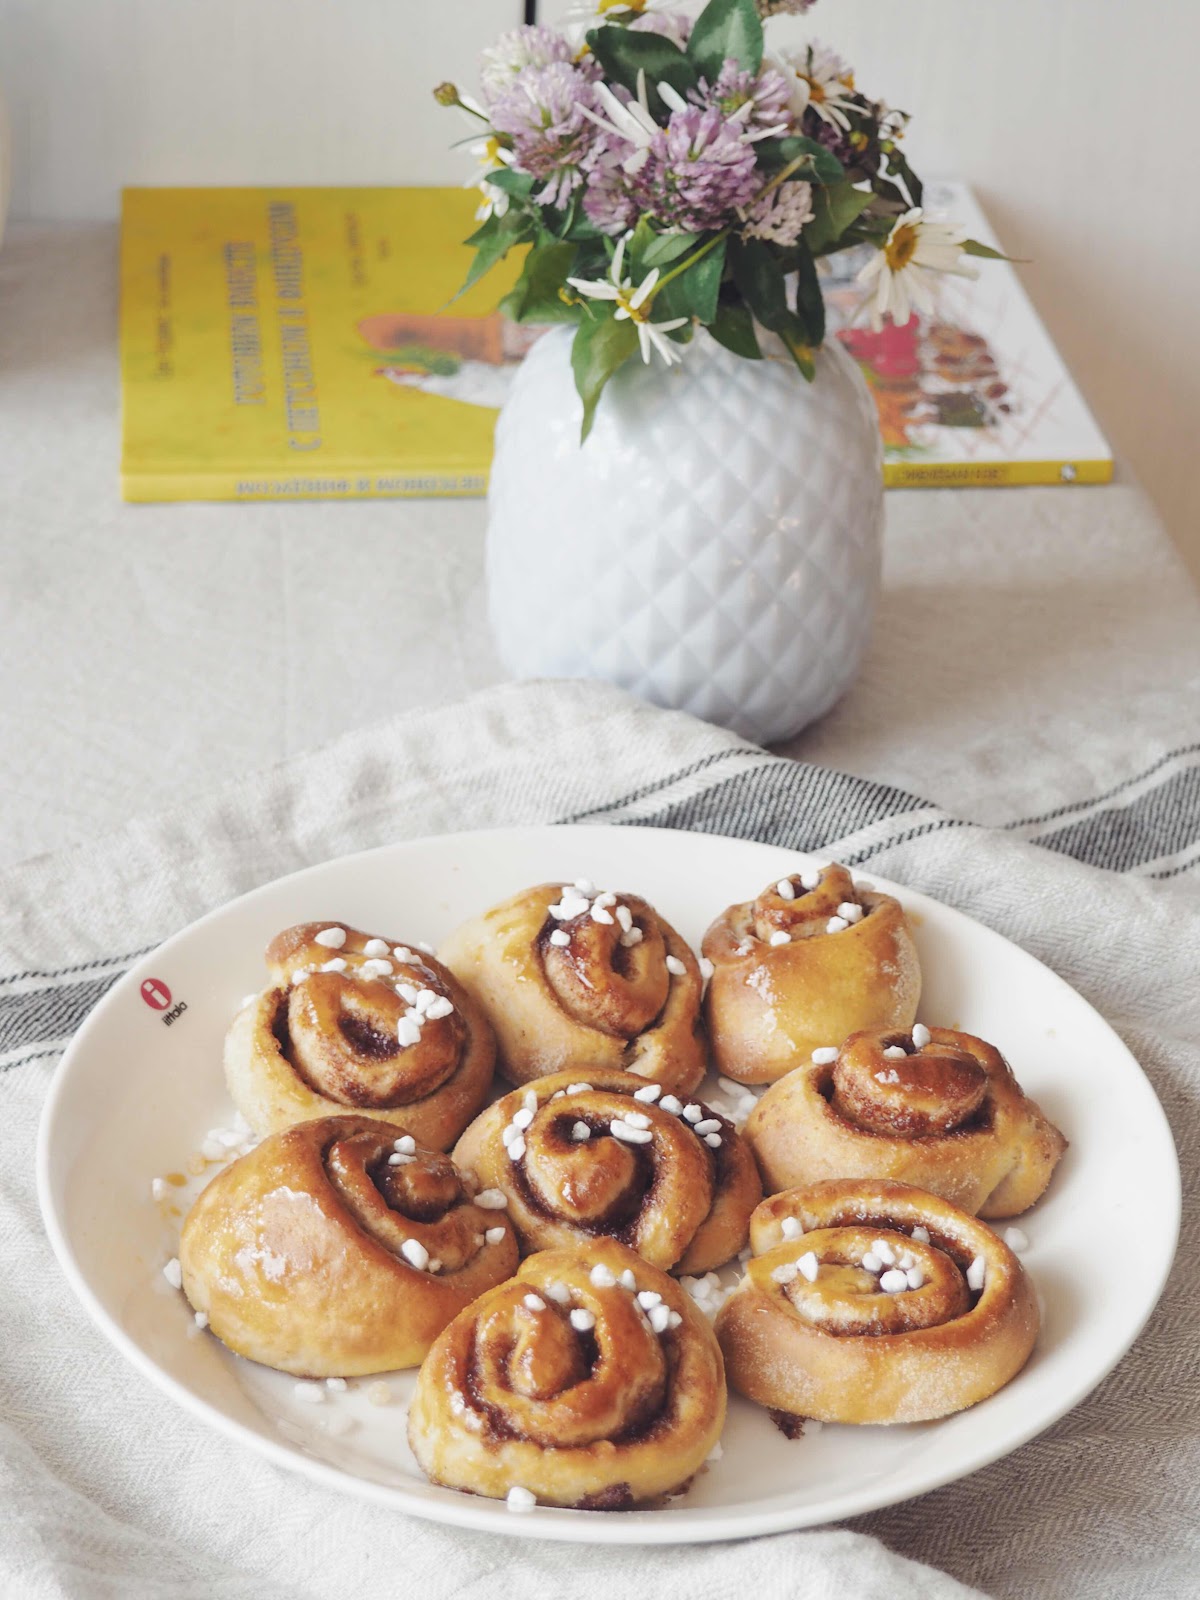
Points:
[111,1490]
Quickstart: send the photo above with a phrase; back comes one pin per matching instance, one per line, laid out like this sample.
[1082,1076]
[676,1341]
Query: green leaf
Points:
[898,165]
[834,209]
[600,346]
[694,292]
[623,54]
[823,167]
[867,230]
[800,352]
[519,184]
[886,190]
[535,297]
[972,247]
[726,28]
[485,232]
[579,225]
[492,243]
[733,326]
[591,261]
[641,236]
[667,247]
[810,302]
[760,279]
[660,250]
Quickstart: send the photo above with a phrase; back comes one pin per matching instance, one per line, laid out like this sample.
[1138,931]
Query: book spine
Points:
[992,474]
[145,487]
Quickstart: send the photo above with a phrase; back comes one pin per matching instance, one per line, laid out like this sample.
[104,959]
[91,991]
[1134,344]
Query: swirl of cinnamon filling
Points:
[340,1247]
[356,1022]
[932,1107]
[602,982]
[570,974]
[814,958]
[598,1152]
[588,1380]
[889,1085]
[874,1302]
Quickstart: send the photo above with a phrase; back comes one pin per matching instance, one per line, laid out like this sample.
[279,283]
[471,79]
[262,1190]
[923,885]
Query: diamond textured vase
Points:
[715,544]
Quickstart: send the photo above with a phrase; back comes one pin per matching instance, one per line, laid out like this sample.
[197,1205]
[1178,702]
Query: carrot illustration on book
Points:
[471,359]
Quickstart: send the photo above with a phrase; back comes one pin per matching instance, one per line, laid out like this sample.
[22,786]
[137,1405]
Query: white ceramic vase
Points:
[715,544]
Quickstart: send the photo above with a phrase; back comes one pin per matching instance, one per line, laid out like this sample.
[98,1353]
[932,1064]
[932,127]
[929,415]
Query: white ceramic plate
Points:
[133,1098]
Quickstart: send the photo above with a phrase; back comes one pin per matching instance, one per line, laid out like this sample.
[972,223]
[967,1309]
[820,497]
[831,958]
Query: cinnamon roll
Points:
[354,1022]
[341,1247]
[815,958]
[589,1380]
[870,1301]
[568,974]
[599,1152]
[932,1107]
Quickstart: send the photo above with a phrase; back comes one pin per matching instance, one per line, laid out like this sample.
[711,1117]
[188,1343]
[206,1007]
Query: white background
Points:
[1072,119]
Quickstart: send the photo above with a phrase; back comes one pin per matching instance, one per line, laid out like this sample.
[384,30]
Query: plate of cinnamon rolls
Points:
[609,1184]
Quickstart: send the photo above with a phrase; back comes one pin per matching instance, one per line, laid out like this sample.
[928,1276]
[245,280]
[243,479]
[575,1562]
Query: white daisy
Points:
[632,306]
[493,202]
[491,156]
[587,14]
[900,272]
[653,335]
[820,79]
[631,122]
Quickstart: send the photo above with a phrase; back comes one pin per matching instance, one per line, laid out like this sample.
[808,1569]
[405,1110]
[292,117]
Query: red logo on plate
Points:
[156,994]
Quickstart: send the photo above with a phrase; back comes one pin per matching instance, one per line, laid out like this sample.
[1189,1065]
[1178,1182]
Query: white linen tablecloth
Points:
[109,1490]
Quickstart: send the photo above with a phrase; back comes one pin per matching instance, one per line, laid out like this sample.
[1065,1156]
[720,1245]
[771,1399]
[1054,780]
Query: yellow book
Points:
[291,343]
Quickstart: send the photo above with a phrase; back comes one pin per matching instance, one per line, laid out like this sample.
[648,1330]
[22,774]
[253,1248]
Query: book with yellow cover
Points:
[300,342]
[290,343]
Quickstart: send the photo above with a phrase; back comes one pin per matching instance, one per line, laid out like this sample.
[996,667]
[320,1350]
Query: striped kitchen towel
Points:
[1094,867]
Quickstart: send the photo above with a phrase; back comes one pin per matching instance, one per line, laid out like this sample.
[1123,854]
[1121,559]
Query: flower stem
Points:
[783,174]
[690,261]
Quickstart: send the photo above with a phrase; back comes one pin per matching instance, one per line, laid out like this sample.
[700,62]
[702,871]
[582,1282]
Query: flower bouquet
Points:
[668,172]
